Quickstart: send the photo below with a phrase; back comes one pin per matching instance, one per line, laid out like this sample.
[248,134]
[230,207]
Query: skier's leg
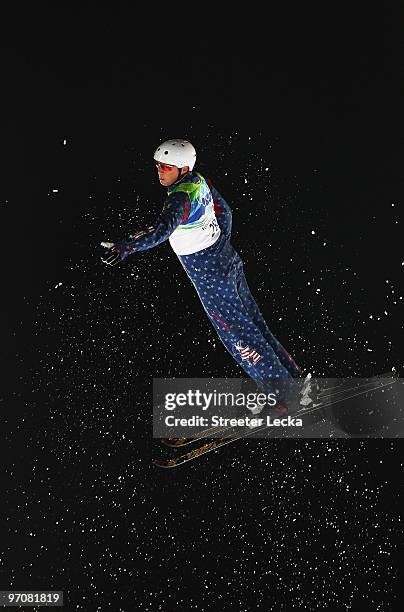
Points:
[214,274]
[244,292]
[255,313]
[244,340]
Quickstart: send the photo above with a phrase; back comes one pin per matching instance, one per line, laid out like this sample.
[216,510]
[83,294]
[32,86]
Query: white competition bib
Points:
[193,237]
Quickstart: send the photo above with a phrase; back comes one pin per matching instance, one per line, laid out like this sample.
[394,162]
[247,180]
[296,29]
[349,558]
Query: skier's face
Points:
[168,174]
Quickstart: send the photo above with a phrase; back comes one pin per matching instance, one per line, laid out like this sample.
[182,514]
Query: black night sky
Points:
[296,119]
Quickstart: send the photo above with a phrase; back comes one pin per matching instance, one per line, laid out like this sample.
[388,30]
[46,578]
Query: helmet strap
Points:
[179,174]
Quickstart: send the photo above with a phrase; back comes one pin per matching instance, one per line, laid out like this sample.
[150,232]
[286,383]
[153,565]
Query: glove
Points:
[113,256]
[118,251]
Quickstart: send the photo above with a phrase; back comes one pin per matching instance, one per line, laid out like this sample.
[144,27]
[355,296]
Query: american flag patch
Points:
[246,353]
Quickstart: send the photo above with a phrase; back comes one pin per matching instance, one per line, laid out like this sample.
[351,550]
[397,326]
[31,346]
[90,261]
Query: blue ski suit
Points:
[195,215]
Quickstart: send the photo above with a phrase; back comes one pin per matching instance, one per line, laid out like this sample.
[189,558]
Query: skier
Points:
[197,221]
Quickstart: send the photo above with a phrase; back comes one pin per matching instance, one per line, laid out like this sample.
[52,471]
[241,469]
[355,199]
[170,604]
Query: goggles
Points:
[163,167]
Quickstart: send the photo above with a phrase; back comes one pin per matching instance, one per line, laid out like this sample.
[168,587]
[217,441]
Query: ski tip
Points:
[164,463]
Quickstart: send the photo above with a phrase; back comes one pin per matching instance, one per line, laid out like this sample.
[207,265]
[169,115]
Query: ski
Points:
[206,433]
[206,448]
[246,432]
[352,391]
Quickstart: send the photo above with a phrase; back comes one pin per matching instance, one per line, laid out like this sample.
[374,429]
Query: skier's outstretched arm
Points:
[222,210]
[174,211]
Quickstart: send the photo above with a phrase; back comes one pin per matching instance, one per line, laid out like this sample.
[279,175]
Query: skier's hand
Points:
[113,256]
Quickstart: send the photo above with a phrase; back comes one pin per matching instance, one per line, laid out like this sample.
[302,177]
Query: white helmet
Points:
[176,152]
